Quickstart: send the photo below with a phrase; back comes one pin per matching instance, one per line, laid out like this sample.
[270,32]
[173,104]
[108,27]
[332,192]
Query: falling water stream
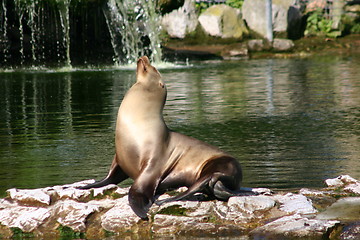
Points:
[40,32]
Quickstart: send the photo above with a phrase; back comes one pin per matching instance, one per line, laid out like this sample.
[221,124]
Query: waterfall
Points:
[65,26]
[66,32]
[131,24]
[4,45]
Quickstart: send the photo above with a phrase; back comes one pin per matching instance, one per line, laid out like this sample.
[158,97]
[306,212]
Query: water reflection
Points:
[291,123]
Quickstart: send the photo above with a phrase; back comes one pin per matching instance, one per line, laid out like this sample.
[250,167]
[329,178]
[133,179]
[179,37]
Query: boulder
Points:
[120,217]
[294,227]
[278,45]
[181,21]
[282,45]
[242,209]
[73,214]
[27,219]
[223,21]
[286,17]
[256,45]
[31,196]
[295,203]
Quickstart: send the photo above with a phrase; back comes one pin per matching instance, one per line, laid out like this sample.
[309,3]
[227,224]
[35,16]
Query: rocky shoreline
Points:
[176,50]
[64,211]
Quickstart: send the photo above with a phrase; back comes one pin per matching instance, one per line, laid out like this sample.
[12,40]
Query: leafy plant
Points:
[68,233]
[201,6]
[235,3]
[318,25]
[356,28]
[19,234]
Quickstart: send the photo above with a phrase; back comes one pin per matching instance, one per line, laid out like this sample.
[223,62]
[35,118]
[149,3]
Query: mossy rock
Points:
[175,210]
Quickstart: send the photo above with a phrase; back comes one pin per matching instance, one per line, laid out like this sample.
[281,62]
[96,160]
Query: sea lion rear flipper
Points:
[115,176]
[195,188]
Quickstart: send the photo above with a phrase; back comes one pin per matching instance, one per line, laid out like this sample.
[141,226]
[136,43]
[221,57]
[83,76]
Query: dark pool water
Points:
[291,122]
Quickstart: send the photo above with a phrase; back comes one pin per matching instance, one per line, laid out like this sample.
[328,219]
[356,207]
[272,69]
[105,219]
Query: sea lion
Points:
[158,159]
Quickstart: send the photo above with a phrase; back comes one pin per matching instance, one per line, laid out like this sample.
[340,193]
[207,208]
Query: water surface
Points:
[291,122]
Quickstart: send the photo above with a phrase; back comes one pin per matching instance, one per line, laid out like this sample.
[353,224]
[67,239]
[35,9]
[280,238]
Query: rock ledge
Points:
[58,211]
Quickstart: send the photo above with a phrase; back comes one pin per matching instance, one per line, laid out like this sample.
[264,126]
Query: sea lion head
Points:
[148,74]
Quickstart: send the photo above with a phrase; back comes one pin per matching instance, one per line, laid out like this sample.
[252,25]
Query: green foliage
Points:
[68,233]
[318,25]
[201,6]
[19,234]
[108,233]
[235,3]
[351,25]
[355,29]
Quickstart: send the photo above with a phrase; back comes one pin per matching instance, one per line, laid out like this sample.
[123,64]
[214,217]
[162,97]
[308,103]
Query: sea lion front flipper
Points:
[115,176]
[141,194]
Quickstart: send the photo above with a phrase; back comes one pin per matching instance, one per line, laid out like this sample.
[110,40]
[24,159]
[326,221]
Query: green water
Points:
[291,122]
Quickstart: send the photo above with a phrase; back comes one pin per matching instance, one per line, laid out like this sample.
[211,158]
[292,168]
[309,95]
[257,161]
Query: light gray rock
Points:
[181,21]
[71,193]
[295,213]
[334,182]
[101,191]
[282,45]
[294,226]
[246,208]
[122,191]
[295,203]
[73,214]
[341,181]
[353,188]
[25,218]
[223,21]
[29,196]
[256,45]
[221,209]
[119,217]
[286,16]
[263,191]
[311,192]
